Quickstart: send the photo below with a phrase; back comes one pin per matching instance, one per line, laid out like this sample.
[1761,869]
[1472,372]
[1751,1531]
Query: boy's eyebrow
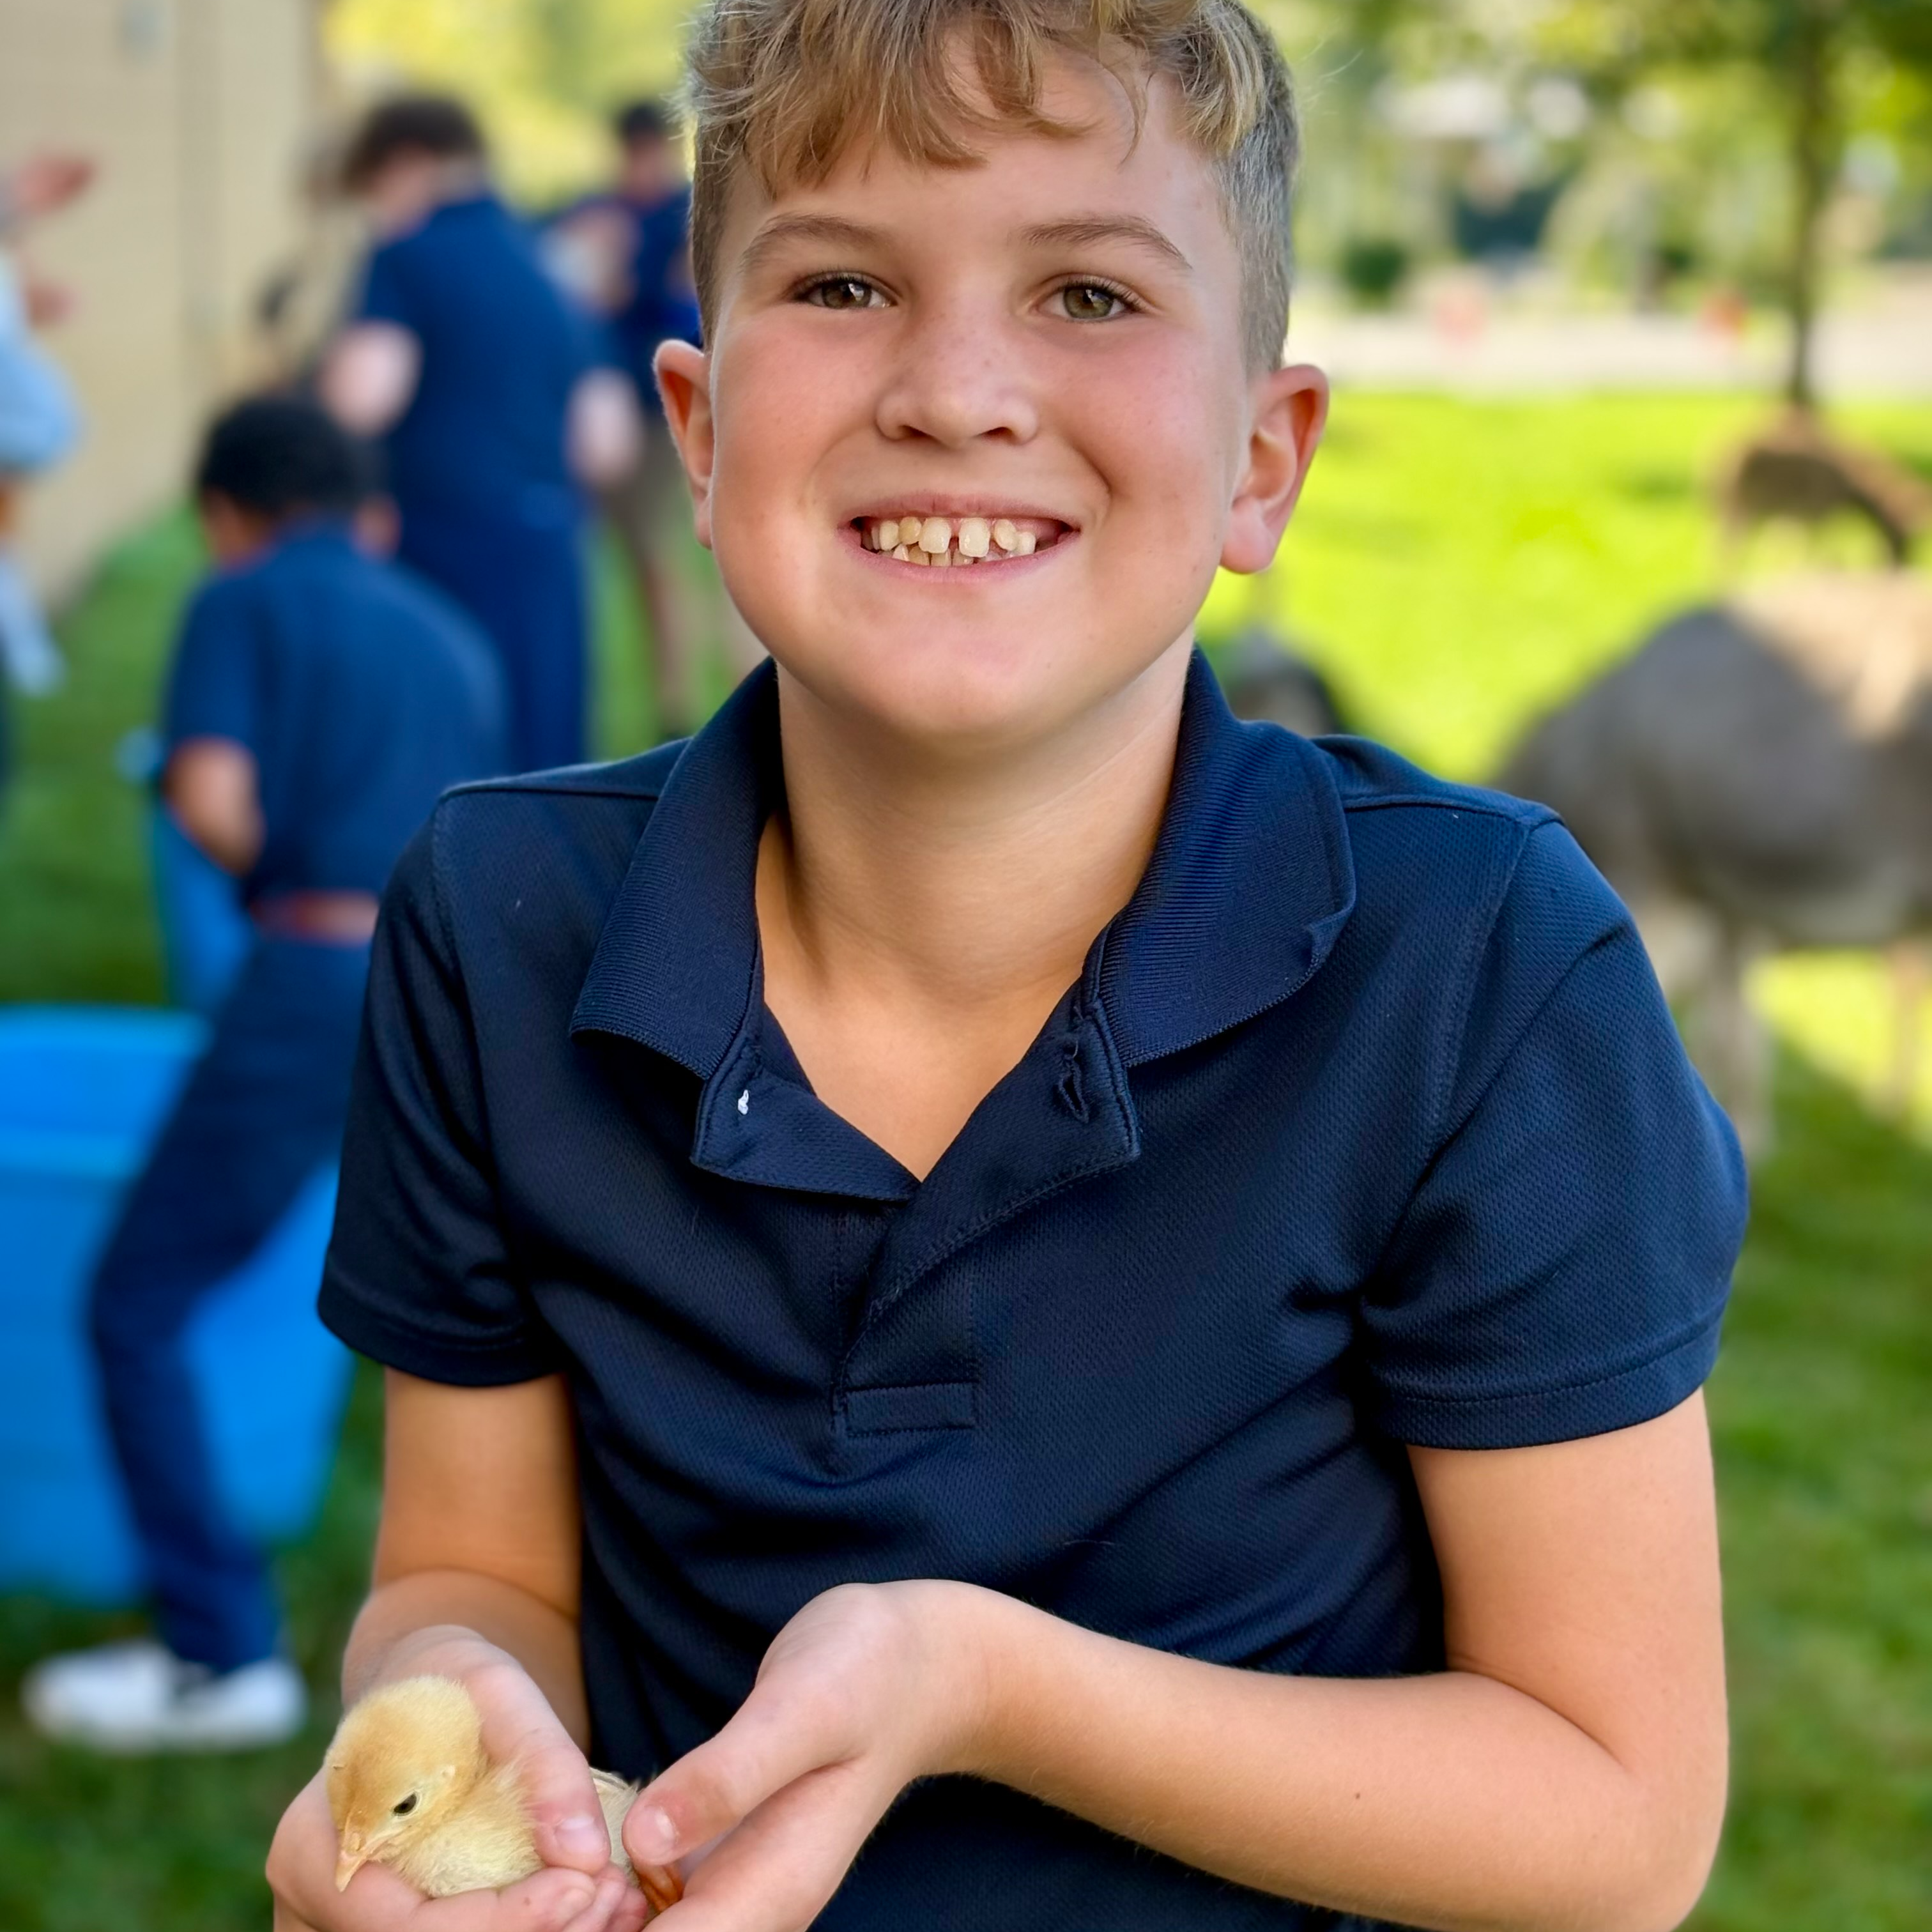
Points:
[1082,233]
[783,228]
[1085,232]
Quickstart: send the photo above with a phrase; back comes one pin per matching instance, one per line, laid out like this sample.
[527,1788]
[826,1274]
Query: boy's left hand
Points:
[867,1688]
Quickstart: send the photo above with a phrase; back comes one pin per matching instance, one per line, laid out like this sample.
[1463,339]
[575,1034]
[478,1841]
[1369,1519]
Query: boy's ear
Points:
[1290,407]
[682,370]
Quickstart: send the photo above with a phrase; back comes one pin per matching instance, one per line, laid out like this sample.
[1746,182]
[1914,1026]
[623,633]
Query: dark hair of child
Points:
[280,456]
[437,125]
[640,120]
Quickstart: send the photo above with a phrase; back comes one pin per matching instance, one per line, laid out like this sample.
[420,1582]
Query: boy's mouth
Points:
[949,541]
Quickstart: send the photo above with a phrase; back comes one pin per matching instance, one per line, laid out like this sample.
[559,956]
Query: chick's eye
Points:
[1092,301]
[405,1806]
[843,292]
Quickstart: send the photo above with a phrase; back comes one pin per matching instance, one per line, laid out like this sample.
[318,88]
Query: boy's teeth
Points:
[931,540]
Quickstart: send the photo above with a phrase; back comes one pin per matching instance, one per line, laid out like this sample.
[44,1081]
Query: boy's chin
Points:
[970,698]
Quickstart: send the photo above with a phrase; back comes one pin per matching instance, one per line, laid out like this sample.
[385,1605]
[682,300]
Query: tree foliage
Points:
[543,73]
[1801,49]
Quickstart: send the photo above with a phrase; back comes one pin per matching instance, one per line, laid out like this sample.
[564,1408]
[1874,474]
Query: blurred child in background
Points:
[626,254]
[38,421]
[482,377]
[320,701]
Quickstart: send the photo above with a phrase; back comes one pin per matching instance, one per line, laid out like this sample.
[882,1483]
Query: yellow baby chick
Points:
[410,1786]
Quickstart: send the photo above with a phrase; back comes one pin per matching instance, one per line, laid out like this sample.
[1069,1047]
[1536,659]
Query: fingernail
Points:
[581,1832]
[649,1834]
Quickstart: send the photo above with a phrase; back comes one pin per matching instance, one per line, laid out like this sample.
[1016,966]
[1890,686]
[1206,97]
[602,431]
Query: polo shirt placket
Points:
[1066,1113]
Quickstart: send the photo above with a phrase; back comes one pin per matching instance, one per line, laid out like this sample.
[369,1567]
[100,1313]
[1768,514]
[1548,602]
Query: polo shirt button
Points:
[744,1101]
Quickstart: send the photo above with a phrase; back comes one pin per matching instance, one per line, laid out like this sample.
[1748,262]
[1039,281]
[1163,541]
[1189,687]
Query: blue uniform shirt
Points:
[361,692]
[1365,1125]
[659,303]
[502,347]
[662,303]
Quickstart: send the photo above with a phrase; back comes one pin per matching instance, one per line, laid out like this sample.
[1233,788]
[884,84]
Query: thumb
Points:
[713,1789]
[520,1728]
[565,1818]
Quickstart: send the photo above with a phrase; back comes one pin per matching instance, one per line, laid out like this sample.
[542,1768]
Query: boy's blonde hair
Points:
[784,87]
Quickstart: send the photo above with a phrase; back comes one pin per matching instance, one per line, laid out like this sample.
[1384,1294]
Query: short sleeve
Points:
[384,296]
[418,1275]
[212,686]
[1561,1269]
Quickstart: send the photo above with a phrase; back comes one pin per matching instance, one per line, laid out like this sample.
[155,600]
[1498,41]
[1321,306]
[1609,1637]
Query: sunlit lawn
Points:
[1456,567]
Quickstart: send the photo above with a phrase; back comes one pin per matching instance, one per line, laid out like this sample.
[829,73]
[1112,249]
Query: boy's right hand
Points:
[580,1891]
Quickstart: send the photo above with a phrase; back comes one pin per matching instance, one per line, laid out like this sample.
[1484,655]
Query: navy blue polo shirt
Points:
[362,693]
[1365,1125]
[662,304]
[502,347]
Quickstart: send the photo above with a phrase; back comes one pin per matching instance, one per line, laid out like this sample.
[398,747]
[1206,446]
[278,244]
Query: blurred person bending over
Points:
[482,376]
[320,701]
[626,254]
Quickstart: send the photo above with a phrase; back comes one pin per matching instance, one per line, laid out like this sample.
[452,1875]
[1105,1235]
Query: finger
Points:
[548,1901]
[377,1900]
[520,1728]
[662,1886]
[775,1739]
[634,1910]
[601,1914]
[777,1870]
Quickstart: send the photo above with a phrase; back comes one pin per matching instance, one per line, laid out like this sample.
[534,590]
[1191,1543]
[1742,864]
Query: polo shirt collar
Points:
[1250,883]
[676,965]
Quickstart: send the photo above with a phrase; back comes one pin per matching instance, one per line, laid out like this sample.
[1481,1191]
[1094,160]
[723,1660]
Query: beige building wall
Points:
[199,113]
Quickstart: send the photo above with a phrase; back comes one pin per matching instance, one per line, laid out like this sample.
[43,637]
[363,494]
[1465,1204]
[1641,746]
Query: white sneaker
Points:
[130,1698]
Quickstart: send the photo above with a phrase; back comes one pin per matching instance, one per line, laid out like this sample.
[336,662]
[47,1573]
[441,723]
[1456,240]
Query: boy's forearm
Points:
[424,1622]
[1447,1800]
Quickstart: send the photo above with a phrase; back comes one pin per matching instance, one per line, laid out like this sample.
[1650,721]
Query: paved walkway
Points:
[1884,349]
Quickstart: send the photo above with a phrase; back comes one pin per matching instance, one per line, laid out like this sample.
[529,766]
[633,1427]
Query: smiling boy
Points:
[1052,1310]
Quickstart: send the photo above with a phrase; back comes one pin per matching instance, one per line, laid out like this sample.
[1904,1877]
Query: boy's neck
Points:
[967,889]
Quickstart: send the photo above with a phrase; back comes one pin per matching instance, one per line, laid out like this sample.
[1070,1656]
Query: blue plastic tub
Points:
[82,1092]
[205,933]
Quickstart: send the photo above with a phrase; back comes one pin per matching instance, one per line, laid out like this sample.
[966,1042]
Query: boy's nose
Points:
[956,376]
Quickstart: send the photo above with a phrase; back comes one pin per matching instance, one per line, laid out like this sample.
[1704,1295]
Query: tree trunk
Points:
[1812,150]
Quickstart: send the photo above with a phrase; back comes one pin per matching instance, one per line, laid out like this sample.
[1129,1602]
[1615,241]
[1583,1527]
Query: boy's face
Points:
[411,182]
[649,167]
[1052,338]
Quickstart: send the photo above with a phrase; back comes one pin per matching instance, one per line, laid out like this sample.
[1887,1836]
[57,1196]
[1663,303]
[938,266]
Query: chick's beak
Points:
[353,1856]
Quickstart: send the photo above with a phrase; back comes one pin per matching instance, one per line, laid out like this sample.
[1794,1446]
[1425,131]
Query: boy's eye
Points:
[844,291]
[1092,301]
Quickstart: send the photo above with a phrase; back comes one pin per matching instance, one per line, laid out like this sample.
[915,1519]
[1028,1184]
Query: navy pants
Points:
[523,580]
[261,1112]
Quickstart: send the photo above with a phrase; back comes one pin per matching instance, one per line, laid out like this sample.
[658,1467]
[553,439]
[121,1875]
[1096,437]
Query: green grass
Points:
[1456,566]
